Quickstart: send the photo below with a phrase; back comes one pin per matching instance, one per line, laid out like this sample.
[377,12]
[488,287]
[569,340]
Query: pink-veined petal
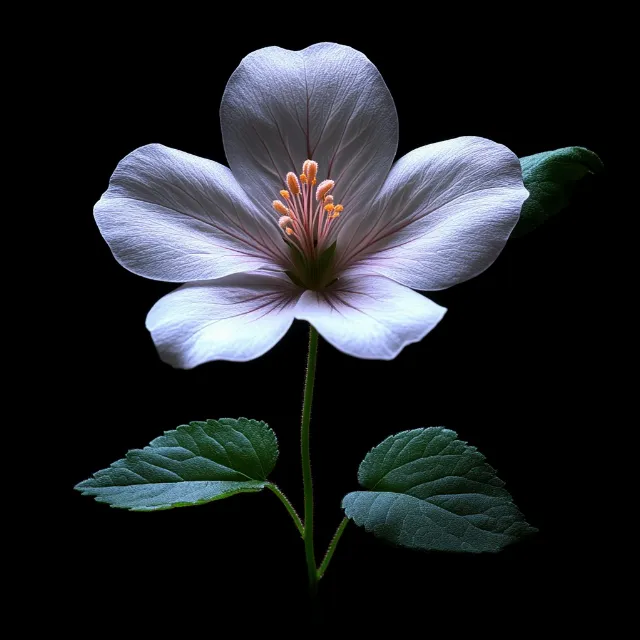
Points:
[328,103]
[239,317]
[369,317]
[442,216]
[168,215]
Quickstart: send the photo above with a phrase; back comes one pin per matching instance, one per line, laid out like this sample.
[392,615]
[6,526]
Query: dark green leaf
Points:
[193,464]
[428,490]
[550,178]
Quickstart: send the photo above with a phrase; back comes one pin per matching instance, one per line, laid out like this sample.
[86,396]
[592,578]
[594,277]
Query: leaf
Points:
[428,490]
[550,178]
[193,464]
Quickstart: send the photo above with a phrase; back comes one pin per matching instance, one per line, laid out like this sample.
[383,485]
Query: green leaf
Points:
[428,490]
[550,178]
[193,464]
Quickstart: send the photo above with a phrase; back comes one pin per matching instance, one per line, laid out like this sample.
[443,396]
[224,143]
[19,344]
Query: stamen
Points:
[286,223]
[306,222]
[310,169]
[280,208]
[323,189]
[293,184]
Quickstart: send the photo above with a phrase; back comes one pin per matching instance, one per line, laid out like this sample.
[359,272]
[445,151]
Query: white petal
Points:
[168,215]
[443,215]
[369,317]
[328,103]
[238,318]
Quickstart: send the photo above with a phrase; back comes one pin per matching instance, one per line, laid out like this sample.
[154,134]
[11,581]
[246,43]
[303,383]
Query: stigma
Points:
[307,210]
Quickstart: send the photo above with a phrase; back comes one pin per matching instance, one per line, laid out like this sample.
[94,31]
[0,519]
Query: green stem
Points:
[292,512]
[332,547]
[306,460]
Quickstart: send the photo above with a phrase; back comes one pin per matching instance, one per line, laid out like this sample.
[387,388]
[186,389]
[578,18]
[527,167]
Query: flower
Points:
[312,221]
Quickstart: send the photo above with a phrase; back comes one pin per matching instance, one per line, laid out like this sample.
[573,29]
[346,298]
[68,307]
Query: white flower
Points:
[312,221]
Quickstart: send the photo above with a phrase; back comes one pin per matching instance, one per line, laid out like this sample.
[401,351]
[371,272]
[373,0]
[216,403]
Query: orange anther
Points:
[280,208]
[310,169]
[323,189]
[292,183]
[284,222]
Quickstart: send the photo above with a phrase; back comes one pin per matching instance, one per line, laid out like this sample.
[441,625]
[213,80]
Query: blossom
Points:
[311,221]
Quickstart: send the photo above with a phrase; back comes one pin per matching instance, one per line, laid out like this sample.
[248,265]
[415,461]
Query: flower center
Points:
[306,214]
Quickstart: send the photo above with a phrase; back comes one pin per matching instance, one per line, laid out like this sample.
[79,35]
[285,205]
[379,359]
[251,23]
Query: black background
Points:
[510,368]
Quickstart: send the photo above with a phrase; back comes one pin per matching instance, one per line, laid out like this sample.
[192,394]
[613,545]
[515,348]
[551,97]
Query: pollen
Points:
[323,189]
[293,184]
[280,208]
[285,194]
[333,211]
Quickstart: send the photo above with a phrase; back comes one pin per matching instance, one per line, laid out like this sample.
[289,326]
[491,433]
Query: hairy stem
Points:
[332,547]
[289,507]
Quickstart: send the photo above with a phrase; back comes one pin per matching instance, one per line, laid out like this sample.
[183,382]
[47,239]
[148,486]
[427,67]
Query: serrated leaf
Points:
[550,178]
[193,464]
[428,490]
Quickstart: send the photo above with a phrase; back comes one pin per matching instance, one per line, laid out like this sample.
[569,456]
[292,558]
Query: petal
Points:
[168,215]
[238,318]
[369,317]
[443,215]
[328,103]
